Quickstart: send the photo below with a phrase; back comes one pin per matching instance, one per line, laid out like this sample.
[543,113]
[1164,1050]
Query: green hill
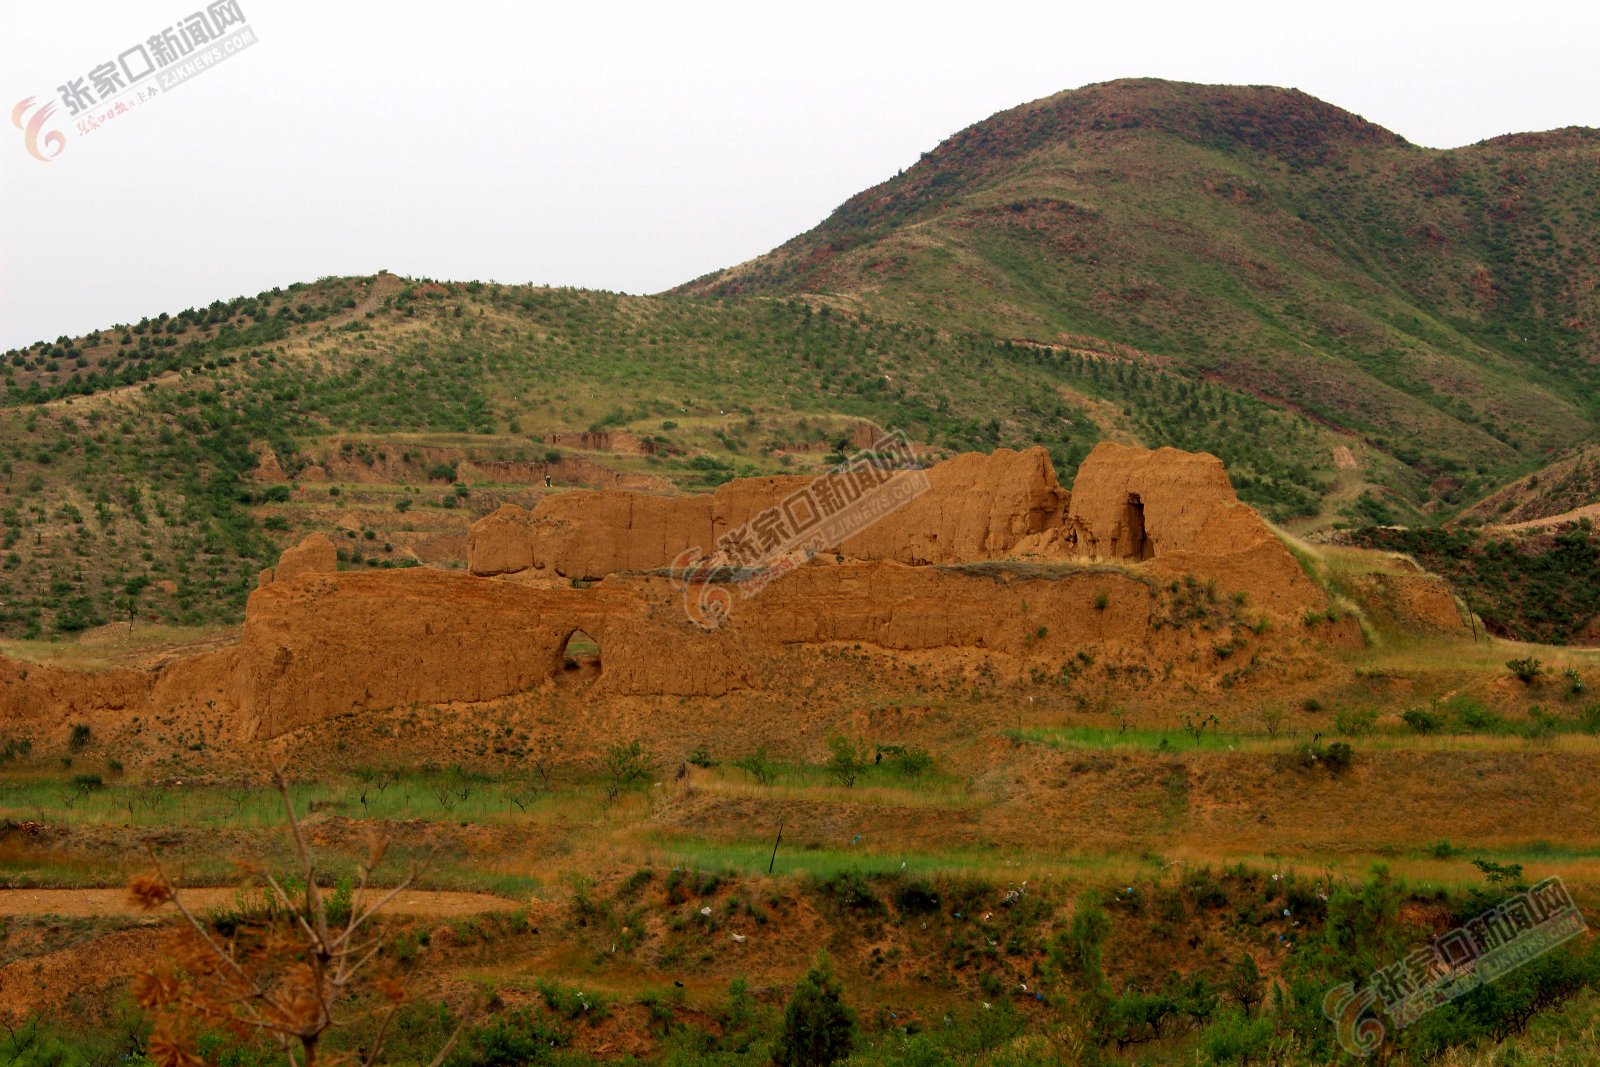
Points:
[151,470]
[1360,328]
[1439,306]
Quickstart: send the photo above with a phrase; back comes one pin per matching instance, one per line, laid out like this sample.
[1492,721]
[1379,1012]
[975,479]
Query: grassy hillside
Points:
[1094,862]
[1439,306]
[1539,585]
[1363,330]
[1568,484]
[150,471]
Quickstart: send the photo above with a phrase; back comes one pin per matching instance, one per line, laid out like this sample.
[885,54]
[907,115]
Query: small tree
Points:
[819,1028]
[758,766]
[1195,726]
[288,975]
[1272,719]
[847,762]
[627,766]
[1244,983]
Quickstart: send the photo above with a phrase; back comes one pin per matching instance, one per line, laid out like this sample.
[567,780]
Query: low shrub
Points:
[1526,670]
[1356,723]
[1476,718]
[850,889]
[1337,756]
[916,898]
[1423,721]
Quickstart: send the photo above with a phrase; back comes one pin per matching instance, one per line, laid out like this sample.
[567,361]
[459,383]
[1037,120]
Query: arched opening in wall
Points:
[1139,546]
[580,656]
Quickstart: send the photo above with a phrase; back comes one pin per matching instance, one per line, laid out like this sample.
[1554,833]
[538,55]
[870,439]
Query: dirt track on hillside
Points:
[97,903]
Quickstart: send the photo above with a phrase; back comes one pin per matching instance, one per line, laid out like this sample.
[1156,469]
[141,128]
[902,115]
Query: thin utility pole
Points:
[774,859]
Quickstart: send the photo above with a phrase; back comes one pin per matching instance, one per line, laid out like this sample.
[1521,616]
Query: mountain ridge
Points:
[1401,294]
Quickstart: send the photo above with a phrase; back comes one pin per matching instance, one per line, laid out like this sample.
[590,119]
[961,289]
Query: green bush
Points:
[1541,725]
[1589,719]
[1526,670]
[758,766]
[916,898]
[913,762]
[1502,1009]
[1135,1017]
[852,890]
[1337,756]
[626,766]
[1237,1038]
[819,1028]
[1357,723]
[1422,721]
[508,1039]
[1477,718]
[846,761]
[573,1004]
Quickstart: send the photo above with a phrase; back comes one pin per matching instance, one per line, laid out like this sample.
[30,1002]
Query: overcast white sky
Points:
[632,147]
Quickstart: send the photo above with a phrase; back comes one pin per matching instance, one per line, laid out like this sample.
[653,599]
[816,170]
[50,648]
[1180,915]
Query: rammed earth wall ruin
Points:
[996,560]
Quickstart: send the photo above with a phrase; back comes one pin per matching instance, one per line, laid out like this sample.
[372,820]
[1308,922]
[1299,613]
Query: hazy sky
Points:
[631,147]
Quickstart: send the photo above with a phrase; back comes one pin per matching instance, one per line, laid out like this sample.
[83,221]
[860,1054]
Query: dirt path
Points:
[1588,511]
[89,903]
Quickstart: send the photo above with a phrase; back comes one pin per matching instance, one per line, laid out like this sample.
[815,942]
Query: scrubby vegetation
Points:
[154,487]
[1096,863]
[1534,587]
